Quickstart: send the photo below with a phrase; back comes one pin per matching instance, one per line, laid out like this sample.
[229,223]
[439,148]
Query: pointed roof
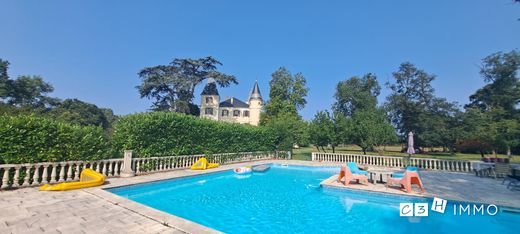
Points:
[210,88]
[255,93]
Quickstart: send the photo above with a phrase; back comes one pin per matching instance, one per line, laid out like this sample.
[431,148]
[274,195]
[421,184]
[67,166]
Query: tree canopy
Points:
[287,93]
[172,86]
[356,94]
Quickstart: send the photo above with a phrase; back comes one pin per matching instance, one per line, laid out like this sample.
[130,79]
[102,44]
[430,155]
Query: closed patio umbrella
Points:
[410,149]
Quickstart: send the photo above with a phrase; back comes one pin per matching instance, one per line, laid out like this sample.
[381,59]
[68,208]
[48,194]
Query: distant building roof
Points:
[255,93]
[210,89]
[233,102]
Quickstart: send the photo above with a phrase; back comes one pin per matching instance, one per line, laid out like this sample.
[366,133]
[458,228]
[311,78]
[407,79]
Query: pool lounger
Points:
[261,168]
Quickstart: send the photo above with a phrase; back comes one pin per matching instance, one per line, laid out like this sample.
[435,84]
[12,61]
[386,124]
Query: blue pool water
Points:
[290,200]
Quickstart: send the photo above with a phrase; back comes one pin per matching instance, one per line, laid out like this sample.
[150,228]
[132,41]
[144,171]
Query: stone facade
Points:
[232,109]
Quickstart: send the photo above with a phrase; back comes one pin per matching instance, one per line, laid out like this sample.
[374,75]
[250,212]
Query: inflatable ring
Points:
[242,170]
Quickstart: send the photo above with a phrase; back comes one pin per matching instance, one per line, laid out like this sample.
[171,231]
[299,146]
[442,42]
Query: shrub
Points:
[167,133]
[30,139]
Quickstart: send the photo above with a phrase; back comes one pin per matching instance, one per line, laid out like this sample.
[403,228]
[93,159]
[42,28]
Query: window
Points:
[236,113]
[246,113]
[208,111]
[209,99]
[225,113]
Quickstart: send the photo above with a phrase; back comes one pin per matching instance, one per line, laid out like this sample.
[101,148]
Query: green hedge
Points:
[166,133]
[29,139]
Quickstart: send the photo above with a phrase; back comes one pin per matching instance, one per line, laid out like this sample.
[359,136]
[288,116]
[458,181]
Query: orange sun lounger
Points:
[409,178]
[345,172]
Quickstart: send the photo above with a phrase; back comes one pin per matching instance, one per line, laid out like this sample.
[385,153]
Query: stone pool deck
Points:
[95,210]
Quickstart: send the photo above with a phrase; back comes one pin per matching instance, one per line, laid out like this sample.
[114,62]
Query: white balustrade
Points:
[25,175]
[387,161]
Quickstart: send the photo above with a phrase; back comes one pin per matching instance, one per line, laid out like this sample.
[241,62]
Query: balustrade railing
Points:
[166,163]
[387,161]
[34,174]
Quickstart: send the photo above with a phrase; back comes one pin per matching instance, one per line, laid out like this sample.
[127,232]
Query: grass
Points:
[304,153]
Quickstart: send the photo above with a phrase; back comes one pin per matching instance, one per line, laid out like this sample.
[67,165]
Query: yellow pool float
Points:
[88,178]
[202,164]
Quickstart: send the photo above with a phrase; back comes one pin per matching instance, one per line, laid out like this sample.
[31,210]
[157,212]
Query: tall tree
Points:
[356,94]
[287,93]
[5,83]
[173,85]
[500,97]
[412,100]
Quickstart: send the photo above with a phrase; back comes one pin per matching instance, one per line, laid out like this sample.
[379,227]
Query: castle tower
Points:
[210,99]
[255,105]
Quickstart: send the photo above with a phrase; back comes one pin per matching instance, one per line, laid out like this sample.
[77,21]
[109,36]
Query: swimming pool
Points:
[290,200]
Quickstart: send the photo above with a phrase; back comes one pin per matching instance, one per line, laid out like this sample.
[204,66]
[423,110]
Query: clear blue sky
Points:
[92,50]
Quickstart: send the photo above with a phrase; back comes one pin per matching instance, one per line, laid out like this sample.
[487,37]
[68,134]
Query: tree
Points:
[81,113]
[340,131]
[356,94]
[288,130]
[440,125]
[477,130]
[371,129]
[499,70]
[5,83]
[507,134]
[498,100]
[322,129]
[31,91]
[412,104]
[329,129]
[286,95]
[173,86]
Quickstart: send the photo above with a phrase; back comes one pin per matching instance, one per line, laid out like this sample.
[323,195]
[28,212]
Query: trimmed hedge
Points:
[167,133]
[30,139]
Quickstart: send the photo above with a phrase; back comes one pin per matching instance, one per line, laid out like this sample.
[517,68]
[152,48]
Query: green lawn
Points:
[304,153]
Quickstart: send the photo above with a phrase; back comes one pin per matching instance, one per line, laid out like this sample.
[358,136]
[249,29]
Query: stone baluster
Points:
[16,177]
[69,171]
[77,172]
[5,178]
[138,166]
[161,164]
[61,177]
[36,175]
[121,166]
[27,176]
[45,174]
[110,168]
[105,166]
[53,173]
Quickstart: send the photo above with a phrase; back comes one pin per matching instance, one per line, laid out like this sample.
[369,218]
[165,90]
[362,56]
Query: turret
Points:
[210,99]
[255,105]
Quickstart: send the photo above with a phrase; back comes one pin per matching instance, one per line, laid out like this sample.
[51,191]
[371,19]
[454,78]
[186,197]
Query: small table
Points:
[482,168]
[379,175]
